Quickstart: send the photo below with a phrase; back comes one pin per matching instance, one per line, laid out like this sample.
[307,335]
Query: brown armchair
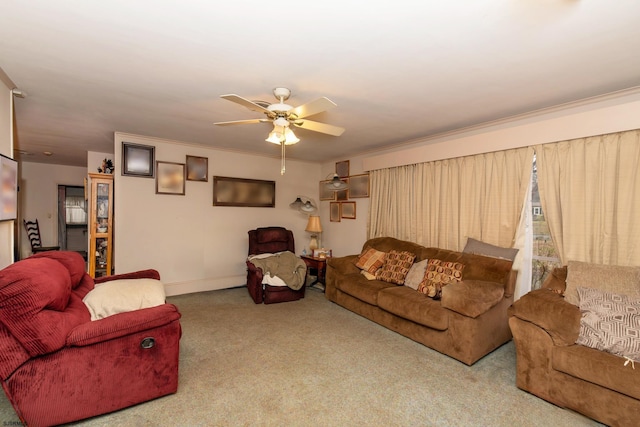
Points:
[269,240]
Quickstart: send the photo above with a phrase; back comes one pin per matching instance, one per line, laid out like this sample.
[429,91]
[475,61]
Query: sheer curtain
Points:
[590,195]
[442,203]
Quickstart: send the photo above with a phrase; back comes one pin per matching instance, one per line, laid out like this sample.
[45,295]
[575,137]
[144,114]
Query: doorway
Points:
[72,219]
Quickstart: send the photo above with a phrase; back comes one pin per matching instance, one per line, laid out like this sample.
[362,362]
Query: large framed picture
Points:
[138,160]
[348,210]
[170,178]
[8,188]
[197,168]
[359,186]
[242,192]
[342,168]
[326,193]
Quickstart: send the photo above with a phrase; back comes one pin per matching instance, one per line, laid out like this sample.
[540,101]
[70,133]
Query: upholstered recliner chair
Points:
[57,365]
[264,241]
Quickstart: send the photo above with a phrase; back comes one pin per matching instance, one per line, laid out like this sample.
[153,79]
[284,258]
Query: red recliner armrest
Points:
[142,274]
[122,324]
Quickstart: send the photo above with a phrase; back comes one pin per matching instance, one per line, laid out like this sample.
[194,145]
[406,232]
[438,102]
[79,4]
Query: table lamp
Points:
[314,227]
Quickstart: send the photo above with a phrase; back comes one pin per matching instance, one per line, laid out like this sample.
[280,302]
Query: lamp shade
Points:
[336,184]
[313,226]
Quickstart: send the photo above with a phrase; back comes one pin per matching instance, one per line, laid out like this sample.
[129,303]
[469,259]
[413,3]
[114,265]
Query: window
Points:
[545,258]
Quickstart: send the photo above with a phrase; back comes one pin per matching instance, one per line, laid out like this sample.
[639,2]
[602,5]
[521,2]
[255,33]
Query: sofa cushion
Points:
[438,274]
[597,367]
[472,298]
[611,278]
[416,274]
[415,306]
[34,296]
[359,287]
[610,322]
[73,261]
[370,260]
[396,266]
[478,247]
[120,296]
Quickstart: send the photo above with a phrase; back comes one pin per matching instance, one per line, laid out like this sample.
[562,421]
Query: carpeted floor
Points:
[313,363]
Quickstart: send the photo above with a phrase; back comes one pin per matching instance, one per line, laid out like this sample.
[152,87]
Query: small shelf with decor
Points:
[101,225]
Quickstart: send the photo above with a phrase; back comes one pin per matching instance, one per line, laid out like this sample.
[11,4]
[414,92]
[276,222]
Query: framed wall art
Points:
[342,195]
[325,192]
[243,192]
[359,186]
[170,178]
[342,168]
[138,160]
[197,168]
[334,212]
[348,210]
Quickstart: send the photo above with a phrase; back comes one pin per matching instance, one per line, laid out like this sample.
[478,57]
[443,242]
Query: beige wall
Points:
[39,198]
[6,148]
[194,245]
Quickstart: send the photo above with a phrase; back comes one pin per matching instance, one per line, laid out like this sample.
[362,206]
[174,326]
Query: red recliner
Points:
[58,366]
[269,240]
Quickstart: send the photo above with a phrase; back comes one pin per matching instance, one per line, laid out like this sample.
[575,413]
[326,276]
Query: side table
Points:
[317,264]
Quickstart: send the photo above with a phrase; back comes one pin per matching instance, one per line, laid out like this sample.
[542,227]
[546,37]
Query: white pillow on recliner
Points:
[119,296]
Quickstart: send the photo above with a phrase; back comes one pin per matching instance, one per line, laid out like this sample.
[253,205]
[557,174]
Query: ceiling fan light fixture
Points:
[281,121]
[290,138]
[274,137]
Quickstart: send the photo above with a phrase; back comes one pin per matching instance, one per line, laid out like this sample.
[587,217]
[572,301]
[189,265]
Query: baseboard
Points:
[203,285]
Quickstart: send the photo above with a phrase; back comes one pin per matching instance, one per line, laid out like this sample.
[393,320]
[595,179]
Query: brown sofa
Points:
[468,322]
[550,365]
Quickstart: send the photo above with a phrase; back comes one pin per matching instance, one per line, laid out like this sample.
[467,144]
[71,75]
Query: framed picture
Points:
[138,160]
[359,186]
[197,168]
[243,192]
[334,212]
[342,195]
[8,188]
[348,210]
[322,253]
[325,192]
[342,168]
[170,178]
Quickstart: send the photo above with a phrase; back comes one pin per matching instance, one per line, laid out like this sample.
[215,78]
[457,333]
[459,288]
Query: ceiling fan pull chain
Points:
[282,170]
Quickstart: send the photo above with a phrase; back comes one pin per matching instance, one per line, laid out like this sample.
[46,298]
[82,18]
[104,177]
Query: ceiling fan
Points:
[283,116]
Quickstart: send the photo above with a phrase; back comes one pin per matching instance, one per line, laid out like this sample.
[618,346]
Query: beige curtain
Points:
[442,203]
[590,195]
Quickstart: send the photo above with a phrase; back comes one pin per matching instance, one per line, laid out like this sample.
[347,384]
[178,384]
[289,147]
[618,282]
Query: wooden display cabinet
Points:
[101,225]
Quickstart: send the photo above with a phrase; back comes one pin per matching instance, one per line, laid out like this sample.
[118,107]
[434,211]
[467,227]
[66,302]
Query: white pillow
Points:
[119,296]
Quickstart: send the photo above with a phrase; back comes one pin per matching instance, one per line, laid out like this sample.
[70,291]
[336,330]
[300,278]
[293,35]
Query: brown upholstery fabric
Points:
[548,363]
[415,306]
[557,280]
[551,312]
[407,312]
[472,297]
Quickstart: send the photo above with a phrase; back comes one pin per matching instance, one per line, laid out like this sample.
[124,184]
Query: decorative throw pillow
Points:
[123,295]
[610,322]
[610,278]
[370,260]
[416,274]
[368,275]
[478,247]
[438,274]
[396,266]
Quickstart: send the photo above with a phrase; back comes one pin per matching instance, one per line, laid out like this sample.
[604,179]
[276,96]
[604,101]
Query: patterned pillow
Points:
[370,260]
[438,274]
[610,322]
[396,266]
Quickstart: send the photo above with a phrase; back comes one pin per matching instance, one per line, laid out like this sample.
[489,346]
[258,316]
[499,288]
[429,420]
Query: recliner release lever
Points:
[148,342]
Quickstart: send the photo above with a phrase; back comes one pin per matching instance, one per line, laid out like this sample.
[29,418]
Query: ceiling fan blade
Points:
[313,107]
[319,127]
[245,103]
[241,122]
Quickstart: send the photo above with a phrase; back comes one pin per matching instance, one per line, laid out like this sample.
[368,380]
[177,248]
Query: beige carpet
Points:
[313,363]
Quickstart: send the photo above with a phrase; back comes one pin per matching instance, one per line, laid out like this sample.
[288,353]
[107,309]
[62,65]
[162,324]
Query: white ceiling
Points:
[397,70]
